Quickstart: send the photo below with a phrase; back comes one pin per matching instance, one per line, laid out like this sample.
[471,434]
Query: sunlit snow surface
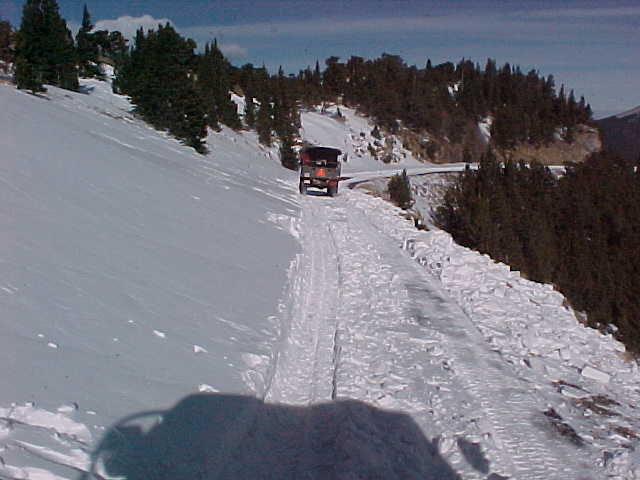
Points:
[132,270]
[168,315]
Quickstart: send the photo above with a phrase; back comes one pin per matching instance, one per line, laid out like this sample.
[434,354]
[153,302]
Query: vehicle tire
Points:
[332,190]
[302,187]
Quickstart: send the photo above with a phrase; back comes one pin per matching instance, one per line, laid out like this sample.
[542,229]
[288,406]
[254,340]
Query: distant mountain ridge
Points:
[633,111]
[621,133]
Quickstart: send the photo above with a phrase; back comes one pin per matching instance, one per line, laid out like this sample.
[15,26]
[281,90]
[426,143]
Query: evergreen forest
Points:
[579,231]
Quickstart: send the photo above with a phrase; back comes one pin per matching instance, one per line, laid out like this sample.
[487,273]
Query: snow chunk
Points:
[160,334]
[68,408]
[199,349]
[204,388]
[57,422]
[485,128]
[595,374]
[253,360]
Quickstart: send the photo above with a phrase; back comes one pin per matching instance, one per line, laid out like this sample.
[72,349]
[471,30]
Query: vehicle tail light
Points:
[306,159]
[320,172]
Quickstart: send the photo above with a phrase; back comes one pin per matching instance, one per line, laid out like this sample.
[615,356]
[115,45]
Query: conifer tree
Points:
[6,39]
[86,46]
[30,54]
[159,78]
[264,122]
[45,52]
[400,190]
[249,110]
[288,157]
[213,85]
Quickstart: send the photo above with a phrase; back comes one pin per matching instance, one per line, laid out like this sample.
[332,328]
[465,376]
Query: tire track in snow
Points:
[305,366]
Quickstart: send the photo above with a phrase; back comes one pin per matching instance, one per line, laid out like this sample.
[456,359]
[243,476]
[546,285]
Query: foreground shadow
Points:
[214,436]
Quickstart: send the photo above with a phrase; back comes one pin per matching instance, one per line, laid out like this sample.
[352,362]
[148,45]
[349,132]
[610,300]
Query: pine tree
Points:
[86,47]
[6,39]
[45,52]
[61,66]
[158,76]
[264,122]
[249,110]
[30,54]
[213,85]
[288,157]
[400,190]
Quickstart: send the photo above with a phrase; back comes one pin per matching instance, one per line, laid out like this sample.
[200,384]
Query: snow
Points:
[595,374]
[103,238]
[161,308]
[485,128]
[352,135]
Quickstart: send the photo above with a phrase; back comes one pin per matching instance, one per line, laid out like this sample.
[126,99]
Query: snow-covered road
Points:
[367,322]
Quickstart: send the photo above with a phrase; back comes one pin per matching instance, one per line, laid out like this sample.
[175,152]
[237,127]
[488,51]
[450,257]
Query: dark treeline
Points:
[580,232]
[176,89]
[447,99]
[182,91]
[158,75]
[7,45]
[172,87]
[43,50]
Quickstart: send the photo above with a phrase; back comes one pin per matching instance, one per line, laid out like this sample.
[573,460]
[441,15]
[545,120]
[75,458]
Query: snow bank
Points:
[531,326]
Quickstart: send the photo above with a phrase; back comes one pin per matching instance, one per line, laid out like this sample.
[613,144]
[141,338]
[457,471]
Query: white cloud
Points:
[129,25]
[232,50]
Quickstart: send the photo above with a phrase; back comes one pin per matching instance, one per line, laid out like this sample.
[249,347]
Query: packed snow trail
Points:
[369,323]
[305,370]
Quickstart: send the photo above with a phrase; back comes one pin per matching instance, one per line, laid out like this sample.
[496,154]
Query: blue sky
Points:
[590,46]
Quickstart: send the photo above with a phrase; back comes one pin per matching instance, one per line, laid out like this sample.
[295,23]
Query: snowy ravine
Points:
[167,315]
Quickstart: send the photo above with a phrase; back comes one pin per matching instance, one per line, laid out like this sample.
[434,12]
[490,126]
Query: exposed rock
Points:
[586,141]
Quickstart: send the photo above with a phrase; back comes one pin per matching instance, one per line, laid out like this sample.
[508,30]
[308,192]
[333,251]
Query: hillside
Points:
[135,271]
[621,134]
[173,315]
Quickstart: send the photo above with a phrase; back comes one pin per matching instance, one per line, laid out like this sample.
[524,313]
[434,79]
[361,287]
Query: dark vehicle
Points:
[320,168]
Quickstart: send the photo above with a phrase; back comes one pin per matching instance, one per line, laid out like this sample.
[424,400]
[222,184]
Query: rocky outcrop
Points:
[586,141]
[433,149]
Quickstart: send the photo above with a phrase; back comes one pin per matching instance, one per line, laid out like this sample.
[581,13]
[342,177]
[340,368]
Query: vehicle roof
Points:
[321,150]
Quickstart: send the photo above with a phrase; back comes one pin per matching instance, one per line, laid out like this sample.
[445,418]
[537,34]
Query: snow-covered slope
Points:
[352,134]
[133,271]
[168,315]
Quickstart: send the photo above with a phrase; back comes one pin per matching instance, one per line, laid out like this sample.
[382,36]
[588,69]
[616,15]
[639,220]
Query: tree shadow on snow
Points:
[216,436]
